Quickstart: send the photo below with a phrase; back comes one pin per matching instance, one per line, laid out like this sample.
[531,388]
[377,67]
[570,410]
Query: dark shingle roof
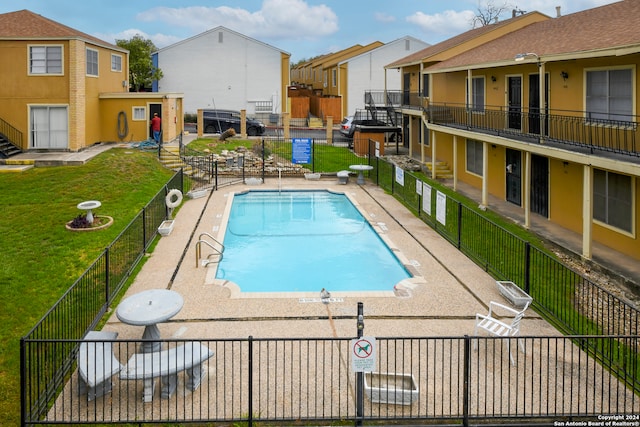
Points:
[455,41]
[612,26]
[24,24]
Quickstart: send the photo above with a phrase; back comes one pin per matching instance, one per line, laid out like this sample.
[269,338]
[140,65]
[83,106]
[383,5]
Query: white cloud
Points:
[277,19]
[159,40]
[448,22]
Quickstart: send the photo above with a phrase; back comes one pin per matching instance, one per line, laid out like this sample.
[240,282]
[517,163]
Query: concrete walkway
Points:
[444,297]
[441,300]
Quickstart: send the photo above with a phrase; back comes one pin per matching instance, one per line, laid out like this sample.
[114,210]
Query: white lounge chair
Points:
[501,328]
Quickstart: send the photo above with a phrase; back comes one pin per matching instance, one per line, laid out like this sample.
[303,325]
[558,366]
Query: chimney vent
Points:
[558,13]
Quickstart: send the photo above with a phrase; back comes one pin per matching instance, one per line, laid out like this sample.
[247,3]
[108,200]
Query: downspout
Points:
[469,94]
[543,99]
[587,211]
[422,122]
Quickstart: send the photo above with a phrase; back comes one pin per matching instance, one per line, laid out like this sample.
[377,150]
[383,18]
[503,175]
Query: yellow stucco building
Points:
[565,146]
[66,90]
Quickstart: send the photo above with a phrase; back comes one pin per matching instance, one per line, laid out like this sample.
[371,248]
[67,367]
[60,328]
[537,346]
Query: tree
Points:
[141,70]
[489,13]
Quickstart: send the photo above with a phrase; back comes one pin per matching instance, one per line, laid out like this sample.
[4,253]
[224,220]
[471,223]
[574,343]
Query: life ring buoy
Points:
[174,198]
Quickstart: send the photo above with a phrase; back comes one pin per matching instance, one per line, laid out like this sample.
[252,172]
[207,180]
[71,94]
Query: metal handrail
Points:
[218,251]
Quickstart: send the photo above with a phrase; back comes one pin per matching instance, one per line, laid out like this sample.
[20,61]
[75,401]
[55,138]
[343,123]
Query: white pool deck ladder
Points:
[216,247]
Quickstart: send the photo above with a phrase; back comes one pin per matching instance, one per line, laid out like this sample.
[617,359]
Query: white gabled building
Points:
[366,72]
[223,69]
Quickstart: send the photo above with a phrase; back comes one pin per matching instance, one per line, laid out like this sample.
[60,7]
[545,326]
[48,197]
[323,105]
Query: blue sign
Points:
[301,151]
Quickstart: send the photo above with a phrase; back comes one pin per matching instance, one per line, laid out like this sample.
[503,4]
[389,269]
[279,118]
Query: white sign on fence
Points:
[426,198]
[441,208]
[363,354]
[400,175]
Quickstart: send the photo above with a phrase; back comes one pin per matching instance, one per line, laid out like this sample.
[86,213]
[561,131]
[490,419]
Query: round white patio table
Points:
[360,169]
[148,308]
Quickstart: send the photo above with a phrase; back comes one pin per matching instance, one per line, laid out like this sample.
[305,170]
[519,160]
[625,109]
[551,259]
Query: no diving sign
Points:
[363,354]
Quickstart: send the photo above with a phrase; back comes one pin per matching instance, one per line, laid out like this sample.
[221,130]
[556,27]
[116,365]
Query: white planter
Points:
[516,296]
[197,194]
[390,388]
[253,181]
[166,227]
[312,176]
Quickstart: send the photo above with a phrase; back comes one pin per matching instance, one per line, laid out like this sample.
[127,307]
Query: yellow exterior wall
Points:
[138,130]
[19,89]
[622,242]
[343,90]
[286,81]
[73,89]
[565,194]
[462,173]
[497,171]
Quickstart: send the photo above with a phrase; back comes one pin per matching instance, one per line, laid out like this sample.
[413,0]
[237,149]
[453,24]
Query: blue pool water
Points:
[303,241]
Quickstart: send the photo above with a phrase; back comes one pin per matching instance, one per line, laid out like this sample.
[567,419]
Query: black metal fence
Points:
[460,380]
[572,302]
[272,157]
[606,325]
[45,367]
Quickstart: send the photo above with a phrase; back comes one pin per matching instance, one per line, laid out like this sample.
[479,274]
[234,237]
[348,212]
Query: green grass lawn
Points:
[41,259]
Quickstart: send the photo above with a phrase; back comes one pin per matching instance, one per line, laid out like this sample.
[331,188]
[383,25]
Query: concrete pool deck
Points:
[443,301]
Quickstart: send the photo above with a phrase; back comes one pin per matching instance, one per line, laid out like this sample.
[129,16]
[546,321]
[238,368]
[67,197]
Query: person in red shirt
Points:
[155,127]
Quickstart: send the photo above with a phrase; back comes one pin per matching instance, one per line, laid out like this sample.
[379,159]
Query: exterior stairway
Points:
[170,158]
[7,149]
[442,170]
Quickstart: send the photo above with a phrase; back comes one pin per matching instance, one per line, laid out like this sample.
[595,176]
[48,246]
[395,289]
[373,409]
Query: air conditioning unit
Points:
[125,83]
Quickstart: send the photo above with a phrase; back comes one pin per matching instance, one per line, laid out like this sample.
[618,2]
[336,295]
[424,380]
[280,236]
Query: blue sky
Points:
[303,28]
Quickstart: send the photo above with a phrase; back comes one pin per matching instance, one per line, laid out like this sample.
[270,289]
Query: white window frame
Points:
[477,168]
[90,63]
[138,113]
[473,105]
[118,62]
[603,116]
[47,61]
[611,201]
[45,136]
[334,78]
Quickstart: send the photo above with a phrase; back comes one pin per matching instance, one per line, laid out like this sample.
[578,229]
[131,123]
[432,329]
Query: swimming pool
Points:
[303,241]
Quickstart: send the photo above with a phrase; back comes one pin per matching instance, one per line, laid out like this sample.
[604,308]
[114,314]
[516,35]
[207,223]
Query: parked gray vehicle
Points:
[218,121]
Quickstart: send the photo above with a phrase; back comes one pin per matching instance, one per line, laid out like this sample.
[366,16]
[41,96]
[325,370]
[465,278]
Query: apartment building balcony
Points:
[575,130]
[578,131]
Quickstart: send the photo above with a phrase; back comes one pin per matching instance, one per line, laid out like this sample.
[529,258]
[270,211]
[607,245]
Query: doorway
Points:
[514,98]
[154,108]
[406,88]
[534,104]
[514,176]
[539,185]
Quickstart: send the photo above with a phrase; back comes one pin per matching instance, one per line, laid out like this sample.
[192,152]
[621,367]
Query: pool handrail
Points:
[218,250]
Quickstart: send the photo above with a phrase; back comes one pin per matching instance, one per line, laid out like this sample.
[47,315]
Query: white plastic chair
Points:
[499,328]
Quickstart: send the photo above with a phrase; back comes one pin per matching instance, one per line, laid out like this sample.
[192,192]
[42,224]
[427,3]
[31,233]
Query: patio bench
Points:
[343,177]
[97,364]
[167,364]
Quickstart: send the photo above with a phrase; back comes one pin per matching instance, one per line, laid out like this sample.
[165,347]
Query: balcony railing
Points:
[575,128]
[13,135]
[589,132]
